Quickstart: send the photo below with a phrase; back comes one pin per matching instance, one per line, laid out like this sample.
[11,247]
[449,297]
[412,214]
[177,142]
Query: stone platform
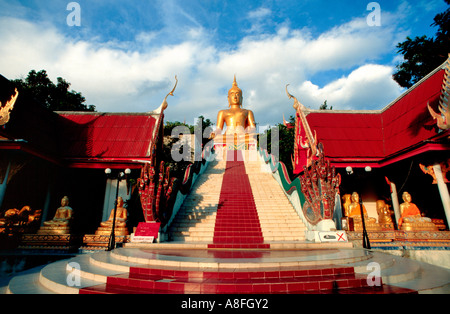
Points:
[171,270]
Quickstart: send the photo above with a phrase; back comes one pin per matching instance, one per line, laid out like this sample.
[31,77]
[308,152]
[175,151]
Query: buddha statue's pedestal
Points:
[102,236]
[236,141]
[355,224]
[54,230]
[54,237]
[418,225]
[102,240]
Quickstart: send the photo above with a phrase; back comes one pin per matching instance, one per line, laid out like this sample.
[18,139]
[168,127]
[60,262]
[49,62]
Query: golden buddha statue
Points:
[120,222]
[236,118]
[411,218]
[354,212]
[60,224]
[239,121]
[347,198]
[384,213]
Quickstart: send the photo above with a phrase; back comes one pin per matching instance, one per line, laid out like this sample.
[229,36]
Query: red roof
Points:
[100,137]
[381,136]
[78,139]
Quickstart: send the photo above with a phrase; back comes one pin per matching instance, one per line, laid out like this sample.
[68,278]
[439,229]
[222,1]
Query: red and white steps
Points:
[168,271]
[237,205]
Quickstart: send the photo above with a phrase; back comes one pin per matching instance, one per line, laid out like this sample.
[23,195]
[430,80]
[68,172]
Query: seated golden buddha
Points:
[353,211]
[411,218]
[384,215]
[60,224]
[120,224]
[239,122]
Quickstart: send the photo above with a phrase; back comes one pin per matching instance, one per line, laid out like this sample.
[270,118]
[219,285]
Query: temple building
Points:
[46,155]
[382,153]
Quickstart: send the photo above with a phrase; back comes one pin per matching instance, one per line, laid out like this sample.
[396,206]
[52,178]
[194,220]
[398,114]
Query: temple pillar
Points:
[443,191]
[395,202]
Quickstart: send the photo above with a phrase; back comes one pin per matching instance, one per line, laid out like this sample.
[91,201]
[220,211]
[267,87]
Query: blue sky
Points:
[125,54]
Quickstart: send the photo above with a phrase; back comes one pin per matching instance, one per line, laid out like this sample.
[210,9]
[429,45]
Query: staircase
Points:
[237,205]
[196,218]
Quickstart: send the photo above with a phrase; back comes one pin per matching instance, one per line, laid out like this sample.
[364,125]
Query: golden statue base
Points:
[100,240]
[418,226]
[102,235]
[244,141]
[351,224]
[118,231]
[54,230]
[403,238]
[50,241]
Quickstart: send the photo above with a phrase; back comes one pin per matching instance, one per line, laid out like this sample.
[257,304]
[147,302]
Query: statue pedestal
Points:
[418,226]
[236,141]
[50,241]
[118,231]
[94,240]
[54,230]
[51,237]
[102,235]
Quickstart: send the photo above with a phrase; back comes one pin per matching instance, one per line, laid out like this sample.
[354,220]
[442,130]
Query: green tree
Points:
[422,54]
[324,106]
[284,145]
[56,97]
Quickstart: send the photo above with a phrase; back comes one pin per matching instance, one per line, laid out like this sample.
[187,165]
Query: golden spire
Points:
[235,87]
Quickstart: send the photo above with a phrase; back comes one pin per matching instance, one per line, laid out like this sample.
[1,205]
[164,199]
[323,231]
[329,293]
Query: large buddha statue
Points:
[237,119]
[411,218]
[120,222]
[60,224]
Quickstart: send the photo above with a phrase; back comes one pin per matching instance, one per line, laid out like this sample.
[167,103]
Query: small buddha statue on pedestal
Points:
[60,224]
[384,215]
[120,223]
[411,218]
[354,212]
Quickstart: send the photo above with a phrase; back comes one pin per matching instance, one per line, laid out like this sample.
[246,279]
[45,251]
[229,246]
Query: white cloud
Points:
[259,13]
[368,87]
[138,78]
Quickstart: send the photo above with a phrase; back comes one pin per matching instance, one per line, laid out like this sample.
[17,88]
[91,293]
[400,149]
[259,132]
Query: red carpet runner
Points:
[237,223]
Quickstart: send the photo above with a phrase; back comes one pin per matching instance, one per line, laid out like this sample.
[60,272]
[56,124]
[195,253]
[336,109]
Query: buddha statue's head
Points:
[355,197]
[380,205]
[406,197]
[64,201]
[235,94]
